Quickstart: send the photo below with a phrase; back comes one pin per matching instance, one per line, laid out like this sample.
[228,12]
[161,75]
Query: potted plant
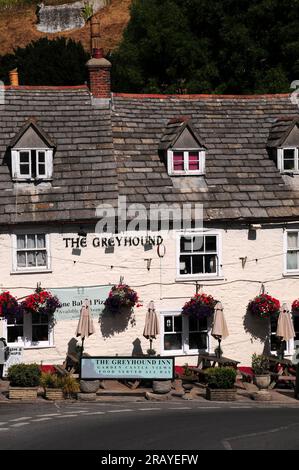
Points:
[151,352]
[264,306]
[221,383]
[24,380]
[295,307]
[121,296]
[70,386]
[188,378]
[199,306]
[261,370]
[52,385]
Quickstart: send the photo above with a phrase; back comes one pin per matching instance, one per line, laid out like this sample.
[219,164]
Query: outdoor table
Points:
[284,373]
[211,360]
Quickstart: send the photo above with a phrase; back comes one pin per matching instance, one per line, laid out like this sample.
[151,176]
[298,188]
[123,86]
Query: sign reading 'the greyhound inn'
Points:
[93,368]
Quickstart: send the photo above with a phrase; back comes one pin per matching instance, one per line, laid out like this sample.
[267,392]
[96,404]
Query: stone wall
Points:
[57,18]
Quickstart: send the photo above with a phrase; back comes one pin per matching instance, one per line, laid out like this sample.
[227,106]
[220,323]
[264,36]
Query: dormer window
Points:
[184,149]
[31,155]
[184,162]
[288,160]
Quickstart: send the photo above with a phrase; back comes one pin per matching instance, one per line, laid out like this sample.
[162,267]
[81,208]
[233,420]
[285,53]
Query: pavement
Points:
[115,392]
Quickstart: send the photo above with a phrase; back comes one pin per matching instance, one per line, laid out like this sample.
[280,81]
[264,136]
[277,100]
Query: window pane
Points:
[198,341]
[15,321]
[178,161]
[13,332]
[293,240]
[41,258]
[172,341]
[21,259]
[24,157]
[185,264]
[41,157]
[31,259]
[193,161]
[41,241]
[210,264]
[197,264]
[186,244]
[296,325]
[40,333]
[292,260]
[30,241]
[289,159]
[21,243]
[197,325]
[177,323]
[198,243]
[211,243]
[168,324]
[40,318]
[41,169]
[24,170]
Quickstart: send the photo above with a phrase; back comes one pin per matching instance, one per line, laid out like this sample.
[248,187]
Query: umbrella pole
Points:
[151,342]
[82,348]
[219,347]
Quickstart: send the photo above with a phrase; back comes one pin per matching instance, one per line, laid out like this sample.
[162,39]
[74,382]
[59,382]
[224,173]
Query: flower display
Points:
[295,306]
[264,306]
[199,306]
[121,296]
[41,302]
[9,305]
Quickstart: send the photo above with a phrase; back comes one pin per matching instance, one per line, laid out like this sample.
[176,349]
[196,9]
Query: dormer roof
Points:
[281,130]
[180,132]
[31,136]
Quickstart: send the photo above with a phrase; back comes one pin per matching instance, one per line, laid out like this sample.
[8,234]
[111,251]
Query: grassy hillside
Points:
[17,24]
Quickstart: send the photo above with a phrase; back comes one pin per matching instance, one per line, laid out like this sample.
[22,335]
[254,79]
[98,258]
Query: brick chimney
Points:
[14,77]
[99,68]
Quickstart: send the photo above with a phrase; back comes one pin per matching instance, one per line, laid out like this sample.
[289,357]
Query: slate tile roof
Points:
[101,153]
[242,182]
[84,166]
[280,130]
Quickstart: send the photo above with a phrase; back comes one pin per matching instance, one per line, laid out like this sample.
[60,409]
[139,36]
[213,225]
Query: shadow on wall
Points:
[114,323]
[258,328]
[72,347]
[137,349]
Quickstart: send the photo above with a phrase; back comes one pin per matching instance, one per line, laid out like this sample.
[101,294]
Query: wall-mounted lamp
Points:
[82,233]
[255,226]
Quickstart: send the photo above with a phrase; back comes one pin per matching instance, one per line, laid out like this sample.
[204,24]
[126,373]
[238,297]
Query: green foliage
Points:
[24,375]
[49,380]
[199,46]
[151,352]
[260,364]
[47,62]
[220,377]
[87,11]
[70,386]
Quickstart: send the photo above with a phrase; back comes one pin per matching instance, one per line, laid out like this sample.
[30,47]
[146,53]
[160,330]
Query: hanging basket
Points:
[9,306]
[264,306]
[42,302]
[199,306]
[295,307]
[121,297]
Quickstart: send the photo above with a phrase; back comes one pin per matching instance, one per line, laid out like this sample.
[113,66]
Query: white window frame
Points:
[186,171]
[35,269]
[15,164]
[27,342]
[286,271]
[200,276]
[280,160]
[185,336]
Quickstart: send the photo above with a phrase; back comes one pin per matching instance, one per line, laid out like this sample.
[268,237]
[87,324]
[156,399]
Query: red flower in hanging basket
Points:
[41,302]
[200,306]
[295,306]
[122,296]
[264,306]
[9,305]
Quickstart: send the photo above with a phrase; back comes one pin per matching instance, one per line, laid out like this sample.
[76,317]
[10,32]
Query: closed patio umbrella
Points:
[85,326]
[285,329]
[219,329]
[151,326]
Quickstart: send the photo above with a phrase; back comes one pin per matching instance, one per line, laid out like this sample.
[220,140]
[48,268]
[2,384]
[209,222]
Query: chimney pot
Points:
[14,77]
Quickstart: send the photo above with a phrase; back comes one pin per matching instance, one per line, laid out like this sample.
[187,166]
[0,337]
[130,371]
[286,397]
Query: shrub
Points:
[49,380]
[24,375]
[70,386]
[221,377]
[260,364]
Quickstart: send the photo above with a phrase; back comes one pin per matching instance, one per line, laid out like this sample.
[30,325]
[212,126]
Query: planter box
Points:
[54,394]
[22,393]
[215,394]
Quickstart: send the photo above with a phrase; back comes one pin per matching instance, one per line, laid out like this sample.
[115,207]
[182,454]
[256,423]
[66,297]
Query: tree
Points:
[47,62]
[214,46]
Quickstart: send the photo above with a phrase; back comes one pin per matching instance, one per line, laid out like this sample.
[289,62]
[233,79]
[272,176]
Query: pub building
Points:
[67,152]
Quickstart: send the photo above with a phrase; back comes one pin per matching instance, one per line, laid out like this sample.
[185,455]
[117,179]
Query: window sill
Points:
[21,345]
[34,271]
[291,274]
[196,278]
